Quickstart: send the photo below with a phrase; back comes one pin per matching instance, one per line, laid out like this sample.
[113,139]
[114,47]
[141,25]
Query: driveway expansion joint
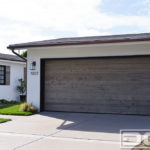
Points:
[54,137]
[27,143]
[46,136]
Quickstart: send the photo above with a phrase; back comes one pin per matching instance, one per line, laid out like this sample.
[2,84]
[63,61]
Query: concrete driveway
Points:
[67,131]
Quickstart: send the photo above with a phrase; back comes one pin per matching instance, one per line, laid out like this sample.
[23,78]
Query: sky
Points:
[33,20]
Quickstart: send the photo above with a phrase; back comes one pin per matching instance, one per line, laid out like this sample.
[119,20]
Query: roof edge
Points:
[100,40]
[13,60]
[68,44]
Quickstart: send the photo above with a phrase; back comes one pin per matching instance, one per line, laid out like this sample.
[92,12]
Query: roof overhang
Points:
[12,61]
[84,41]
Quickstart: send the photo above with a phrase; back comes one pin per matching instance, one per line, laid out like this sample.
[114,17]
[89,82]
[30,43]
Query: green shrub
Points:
[25,107]
[13,102]
[4,101]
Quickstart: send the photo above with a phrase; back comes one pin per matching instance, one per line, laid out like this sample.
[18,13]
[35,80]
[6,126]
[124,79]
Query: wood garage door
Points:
[99,85]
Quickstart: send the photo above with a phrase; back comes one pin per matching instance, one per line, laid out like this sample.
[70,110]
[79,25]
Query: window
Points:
[2,75]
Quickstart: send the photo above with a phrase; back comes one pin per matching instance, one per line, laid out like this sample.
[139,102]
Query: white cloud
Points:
[147,4]
[62,15]
[17,33]
[91,32]
[25,19]
[146,1]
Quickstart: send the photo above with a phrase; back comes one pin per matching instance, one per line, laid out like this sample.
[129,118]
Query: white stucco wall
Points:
[35,54]
[9,92]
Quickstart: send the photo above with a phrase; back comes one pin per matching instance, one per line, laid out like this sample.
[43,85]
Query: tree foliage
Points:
[24,54]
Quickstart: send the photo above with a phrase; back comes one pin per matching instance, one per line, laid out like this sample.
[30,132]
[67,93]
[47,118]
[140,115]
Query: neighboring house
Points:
[12,68]
[100,74]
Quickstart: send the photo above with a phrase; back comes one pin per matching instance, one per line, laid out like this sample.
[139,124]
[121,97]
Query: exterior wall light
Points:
[33,65]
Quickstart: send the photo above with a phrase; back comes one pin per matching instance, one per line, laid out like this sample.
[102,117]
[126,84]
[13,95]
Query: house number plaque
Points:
[34,73]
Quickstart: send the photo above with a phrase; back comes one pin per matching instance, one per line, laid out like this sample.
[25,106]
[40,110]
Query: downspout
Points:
[13,51]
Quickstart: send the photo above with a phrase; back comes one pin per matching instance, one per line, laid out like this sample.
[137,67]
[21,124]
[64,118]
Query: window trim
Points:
[4,75]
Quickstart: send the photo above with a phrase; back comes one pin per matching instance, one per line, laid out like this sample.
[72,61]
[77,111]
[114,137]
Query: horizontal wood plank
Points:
[99,85]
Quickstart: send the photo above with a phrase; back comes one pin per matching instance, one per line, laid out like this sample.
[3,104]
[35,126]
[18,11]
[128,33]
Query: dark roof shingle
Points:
[10,57]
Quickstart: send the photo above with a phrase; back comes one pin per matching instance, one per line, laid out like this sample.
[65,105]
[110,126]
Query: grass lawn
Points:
[12,109]
[2,120]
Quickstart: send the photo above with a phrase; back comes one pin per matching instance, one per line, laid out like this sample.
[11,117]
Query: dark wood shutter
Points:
[7,75]
[25,75]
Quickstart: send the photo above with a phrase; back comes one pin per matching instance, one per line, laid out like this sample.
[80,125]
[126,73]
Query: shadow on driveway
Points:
[107,123]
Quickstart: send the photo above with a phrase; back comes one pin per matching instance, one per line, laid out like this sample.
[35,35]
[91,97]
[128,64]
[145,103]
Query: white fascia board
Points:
[16,62]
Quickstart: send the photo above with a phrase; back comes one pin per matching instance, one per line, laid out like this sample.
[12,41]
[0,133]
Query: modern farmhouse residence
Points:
[12,68]
[99,74]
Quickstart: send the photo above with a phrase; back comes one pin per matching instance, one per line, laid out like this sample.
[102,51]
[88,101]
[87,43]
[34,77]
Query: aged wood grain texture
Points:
[7,75]
[99,85]
[25,75]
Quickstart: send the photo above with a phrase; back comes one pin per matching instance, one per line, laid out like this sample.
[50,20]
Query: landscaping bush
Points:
[4,101]
[33,109]
[13,102]
[25,107]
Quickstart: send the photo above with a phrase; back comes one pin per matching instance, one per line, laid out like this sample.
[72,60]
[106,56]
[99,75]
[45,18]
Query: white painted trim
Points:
[9,61]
